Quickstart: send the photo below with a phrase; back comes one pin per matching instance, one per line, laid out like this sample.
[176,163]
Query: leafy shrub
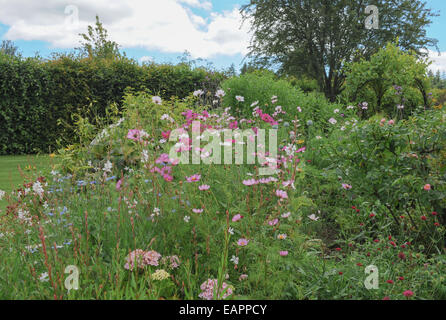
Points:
[391,78]
[102,141]
[40,98]
[396,172]
[270,92]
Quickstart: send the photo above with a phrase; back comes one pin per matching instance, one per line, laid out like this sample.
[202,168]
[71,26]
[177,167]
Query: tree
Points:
[9,48]
[317,37]
[390,78]
[96,43]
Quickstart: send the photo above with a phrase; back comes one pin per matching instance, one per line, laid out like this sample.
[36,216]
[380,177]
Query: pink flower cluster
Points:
[208,287]
[266,117]
[172,261]
[140,258]
[282,194]
[192,116]
[253,182]
[193,178]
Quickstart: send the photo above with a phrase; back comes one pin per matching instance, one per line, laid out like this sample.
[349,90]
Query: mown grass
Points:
[15,170]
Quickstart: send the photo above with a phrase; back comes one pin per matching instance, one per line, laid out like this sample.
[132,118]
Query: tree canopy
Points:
[317,37]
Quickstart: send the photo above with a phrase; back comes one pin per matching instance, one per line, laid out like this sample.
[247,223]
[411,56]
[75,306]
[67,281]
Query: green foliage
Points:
[388,166]
[316,38]
[96,44]
[390,78]
[262,86]
[40,98]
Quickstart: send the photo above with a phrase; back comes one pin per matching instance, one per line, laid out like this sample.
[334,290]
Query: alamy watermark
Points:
[372,21]
[72,281]
[372,281]
[72,17]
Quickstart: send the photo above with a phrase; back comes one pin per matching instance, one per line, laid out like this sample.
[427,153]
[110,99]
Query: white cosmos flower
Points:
[108,166]
[157,100]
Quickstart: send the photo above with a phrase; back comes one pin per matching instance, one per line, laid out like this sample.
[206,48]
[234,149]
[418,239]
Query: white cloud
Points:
[168,26]
[438,61]
[207,5]
[146,59]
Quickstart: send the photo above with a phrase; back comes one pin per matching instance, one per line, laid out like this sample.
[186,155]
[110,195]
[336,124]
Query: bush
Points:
[395,170]
[39,98]
[270,92]
[391,78]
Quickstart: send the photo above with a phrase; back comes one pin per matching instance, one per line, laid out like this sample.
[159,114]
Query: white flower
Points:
[186,219]
[313,217]
[157,100]
[231,231]
[198,93]
[108,166]
[220,94]
[2,194]
[400,107]
[336,111]
[44,277]
[37,188]
[350,107]
[167,117]
[240,99]
[145,156]
[254,103]
[286,215]
[290,149]
[333,121]
[143,134]
[235,260]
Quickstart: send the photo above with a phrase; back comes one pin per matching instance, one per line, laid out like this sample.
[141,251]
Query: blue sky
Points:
[150,29]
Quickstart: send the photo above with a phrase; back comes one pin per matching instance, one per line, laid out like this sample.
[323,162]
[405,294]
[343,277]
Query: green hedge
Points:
[36,95]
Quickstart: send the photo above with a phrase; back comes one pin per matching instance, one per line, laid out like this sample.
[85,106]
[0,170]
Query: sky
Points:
[152,30]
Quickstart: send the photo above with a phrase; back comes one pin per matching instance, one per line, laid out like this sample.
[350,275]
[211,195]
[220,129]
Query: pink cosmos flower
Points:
[281,194]
[193,178]
[250,182]
[283,253]
[242,242]
[197,210]
[427,187]
[391,122]
[237,217]
[134,134]
[346,186]
[233,125]
[118,185]
[165,134]
[273,222]
[204,187]
[243,277]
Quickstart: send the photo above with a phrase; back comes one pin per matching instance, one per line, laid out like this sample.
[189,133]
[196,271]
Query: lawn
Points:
[15,170]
